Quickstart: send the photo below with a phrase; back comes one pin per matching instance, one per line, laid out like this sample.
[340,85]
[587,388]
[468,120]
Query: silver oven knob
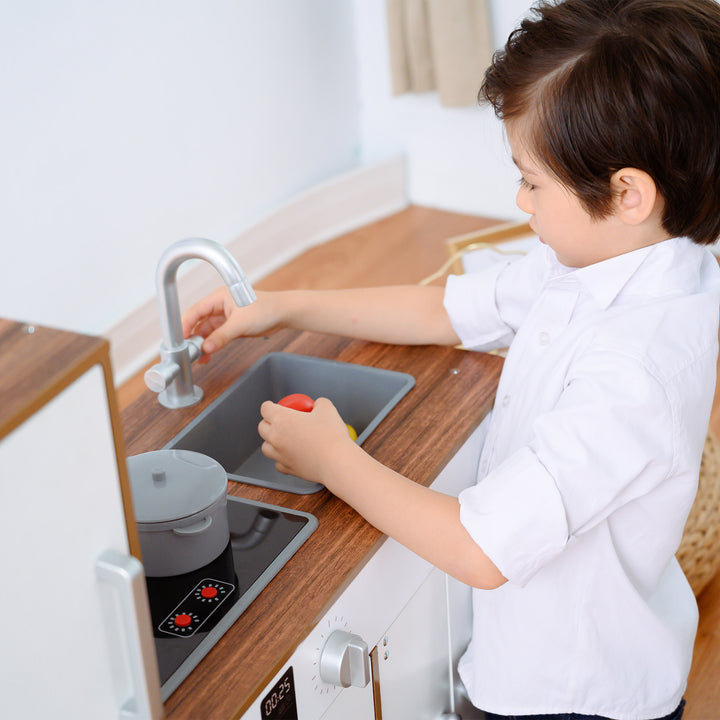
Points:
[345,660]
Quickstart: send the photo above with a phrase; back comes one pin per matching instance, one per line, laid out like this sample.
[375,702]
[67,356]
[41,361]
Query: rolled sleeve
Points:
[516,515]
[470,303]
[486,308]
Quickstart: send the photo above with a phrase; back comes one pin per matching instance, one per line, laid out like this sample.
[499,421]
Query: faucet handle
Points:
[159,376]
[195,343]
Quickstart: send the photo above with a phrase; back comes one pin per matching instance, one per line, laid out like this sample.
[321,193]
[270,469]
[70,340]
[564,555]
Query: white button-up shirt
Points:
[587,476]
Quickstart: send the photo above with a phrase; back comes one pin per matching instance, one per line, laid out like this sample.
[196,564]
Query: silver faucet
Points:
[172,376]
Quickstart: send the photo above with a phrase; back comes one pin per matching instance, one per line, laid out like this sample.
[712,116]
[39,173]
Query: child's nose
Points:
[523,200]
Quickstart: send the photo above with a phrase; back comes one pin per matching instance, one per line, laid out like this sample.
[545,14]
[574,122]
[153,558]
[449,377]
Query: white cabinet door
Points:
[352,703]
[413,669]
[65,634]
[413,661]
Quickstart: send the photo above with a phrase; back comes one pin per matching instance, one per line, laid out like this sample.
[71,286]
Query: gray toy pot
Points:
[180,501]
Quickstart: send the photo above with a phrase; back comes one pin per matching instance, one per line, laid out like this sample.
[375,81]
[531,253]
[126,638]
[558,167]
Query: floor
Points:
[405,248]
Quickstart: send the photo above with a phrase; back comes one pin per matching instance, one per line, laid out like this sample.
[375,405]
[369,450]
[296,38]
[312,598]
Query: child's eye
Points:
[525,184]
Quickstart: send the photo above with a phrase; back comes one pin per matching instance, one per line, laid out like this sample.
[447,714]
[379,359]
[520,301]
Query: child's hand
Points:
[218,319]
[305,444]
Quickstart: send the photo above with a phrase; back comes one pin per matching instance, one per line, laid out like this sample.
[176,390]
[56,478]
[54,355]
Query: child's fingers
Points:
[325,406]
[264,425]
[195,315]
[269,451]
[210,306]
[265,429]
[267,410]
[216,340]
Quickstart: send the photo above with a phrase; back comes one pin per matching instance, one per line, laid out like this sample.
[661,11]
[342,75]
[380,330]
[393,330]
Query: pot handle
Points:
[196,528]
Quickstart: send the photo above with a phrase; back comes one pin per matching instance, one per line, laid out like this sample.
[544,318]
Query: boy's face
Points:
[556,214]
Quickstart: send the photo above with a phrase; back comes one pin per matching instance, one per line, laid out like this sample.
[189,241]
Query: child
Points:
[592,456]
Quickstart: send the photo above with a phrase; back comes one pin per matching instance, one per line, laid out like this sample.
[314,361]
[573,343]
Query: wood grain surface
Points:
[35,364]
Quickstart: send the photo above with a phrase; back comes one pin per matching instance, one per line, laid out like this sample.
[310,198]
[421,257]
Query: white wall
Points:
[457,158]
[129,125]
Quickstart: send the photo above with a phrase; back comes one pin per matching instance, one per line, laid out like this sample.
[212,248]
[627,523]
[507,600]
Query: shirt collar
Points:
[605,280]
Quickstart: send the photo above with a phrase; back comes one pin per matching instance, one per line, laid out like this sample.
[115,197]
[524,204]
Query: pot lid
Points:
[174,484]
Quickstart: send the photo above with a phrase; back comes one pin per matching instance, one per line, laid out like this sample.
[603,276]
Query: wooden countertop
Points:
[453,391]
[27,379]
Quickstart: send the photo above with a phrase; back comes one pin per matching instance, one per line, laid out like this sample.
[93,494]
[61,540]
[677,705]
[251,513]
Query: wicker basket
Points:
[699,551]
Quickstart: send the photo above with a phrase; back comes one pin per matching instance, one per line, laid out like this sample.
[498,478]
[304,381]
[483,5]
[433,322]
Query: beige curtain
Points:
[442,45]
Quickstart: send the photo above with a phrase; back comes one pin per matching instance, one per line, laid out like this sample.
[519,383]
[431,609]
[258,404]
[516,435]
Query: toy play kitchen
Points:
[291,618]
[334,633]
[311,643]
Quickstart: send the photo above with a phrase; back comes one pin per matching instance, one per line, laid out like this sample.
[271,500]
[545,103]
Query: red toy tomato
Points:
[297,401]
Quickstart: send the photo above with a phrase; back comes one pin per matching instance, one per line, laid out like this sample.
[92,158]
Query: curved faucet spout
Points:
[166,282]
[172,377]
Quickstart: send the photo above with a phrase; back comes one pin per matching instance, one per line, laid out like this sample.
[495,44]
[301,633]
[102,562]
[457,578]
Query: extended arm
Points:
[316,445]
[403,315]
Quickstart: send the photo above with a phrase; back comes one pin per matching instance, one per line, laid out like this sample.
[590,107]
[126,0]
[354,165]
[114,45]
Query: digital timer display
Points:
[280,703]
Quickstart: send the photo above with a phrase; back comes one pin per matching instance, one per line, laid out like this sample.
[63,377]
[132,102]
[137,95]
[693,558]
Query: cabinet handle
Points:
[125,574]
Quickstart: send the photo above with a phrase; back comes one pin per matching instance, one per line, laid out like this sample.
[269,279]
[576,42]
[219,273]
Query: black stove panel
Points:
[190,612]
[196,608]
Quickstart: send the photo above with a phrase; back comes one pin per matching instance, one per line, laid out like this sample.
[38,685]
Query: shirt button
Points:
[544,338]
[506,401]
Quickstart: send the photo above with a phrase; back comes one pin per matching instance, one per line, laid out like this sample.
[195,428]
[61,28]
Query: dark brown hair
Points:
[608,84]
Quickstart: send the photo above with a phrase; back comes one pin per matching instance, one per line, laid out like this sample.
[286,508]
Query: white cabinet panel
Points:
[352,704]
[413,666]
[63,646]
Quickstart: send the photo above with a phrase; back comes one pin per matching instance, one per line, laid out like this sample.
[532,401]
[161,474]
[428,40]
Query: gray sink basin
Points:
[227,429]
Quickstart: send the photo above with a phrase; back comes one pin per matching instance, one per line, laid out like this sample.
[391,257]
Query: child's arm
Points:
[404,315]
[316,446]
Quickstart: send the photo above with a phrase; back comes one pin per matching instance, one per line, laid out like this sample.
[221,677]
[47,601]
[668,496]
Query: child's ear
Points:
[635,195]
